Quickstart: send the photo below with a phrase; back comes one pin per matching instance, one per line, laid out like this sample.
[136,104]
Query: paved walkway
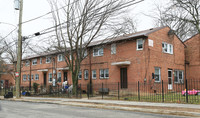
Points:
[190,110]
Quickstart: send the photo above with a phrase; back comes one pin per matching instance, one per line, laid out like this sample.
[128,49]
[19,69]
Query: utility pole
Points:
[19,51]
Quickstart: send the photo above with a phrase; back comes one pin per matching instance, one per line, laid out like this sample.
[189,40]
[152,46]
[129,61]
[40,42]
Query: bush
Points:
[35,87]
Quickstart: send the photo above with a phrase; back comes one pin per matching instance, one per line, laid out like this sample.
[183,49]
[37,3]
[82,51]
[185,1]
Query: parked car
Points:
[191,92]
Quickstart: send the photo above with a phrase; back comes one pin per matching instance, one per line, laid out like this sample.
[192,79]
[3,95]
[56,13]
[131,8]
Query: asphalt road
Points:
[12,109]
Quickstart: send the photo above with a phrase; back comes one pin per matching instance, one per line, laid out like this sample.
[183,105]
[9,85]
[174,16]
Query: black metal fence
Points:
[187,92]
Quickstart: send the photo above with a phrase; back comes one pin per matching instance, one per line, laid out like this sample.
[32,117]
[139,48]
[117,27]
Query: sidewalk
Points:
[190,110]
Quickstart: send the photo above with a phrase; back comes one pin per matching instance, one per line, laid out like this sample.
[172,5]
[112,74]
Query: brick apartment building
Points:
[192,55]
[155,53]
[6,76]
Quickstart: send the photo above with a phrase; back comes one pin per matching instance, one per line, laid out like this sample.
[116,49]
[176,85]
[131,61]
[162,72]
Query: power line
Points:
[122,6]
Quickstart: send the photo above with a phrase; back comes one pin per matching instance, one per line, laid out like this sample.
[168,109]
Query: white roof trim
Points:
[66,68]
[43,70]
[123,63]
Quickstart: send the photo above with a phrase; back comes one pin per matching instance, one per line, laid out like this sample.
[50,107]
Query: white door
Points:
[170,86]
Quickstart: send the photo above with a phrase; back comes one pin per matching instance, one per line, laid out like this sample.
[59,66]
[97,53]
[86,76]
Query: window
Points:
[24,77]
[113,48]
[104,73]
[32,76]
[60,57]
[36,77]
[27,62]
[86,74]
[94,74]
[50,77]
[85,53]
[167,48]
[48,59]
[59,77]
[28,77]
[97,51]
[34,62]
[140,44]
[178,76]
[41,60]
[80,74]
[157,74]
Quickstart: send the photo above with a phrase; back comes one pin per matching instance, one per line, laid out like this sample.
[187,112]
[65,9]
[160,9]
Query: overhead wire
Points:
[122,6]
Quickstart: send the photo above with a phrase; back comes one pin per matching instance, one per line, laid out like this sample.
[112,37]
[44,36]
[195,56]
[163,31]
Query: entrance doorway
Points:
[123,77]
[65,76]
[170,83]
[45,79]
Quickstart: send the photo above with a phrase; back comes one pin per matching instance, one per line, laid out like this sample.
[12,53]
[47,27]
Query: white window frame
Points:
[40,60]
[24,77]
[27,62]
[113,48]
[178,78]
[98,51]
[36,76]
[60,57]
[86,74]
[103,72]
[48,59]
[94,74]
[139,44]
[80,75]
[59,76]
[50,76]
[158,74]
[34,62]
[167,48]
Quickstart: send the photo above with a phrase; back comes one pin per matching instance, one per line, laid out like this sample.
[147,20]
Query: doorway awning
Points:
[43,70]
[122,63]
[66,68]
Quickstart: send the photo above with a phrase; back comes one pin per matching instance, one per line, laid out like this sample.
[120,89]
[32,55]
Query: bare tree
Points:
[126,26]
[181,15]
[79,23]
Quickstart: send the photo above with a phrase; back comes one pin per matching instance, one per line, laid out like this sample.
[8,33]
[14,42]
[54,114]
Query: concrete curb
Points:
[137,108]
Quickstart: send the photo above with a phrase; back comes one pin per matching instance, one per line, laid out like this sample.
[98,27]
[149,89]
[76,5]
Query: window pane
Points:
[101,51]
[86,74]
[106,72]
[175,76]
[157,74]
[94,74]
[80,74]
[140,44]
[101,73]
[113,49]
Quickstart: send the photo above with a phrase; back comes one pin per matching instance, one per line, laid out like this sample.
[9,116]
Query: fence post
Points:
[102,91]
[162,92]
[186,86]
[138,90]
[118,90]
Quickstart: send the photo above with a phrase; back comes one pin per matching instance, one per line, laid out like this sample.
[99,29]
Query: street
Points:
[12,109]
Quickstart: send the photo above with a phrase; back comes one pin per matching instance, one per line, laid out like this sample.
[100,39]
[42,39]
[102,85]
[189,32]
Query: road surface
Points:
[12,109]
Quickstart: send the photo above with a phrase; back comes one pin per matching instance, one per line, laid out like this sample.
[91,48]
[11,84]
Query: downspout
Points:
[30,77]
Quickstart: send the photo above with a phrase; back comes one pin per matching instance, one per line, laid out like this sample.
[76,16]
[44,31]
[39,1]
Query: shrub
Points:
[35,87]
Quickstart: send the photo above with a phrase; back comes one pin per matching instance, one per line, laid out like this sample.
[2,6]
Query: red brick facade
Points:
[128,62]
[192,54]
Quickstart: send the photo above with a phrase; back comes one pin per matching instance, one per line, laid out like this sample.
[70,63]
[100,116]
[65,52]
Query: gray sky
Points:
[35,8]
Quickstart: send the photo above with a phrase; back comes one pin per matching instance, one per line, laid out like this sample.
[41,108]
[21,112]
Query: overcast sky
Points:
[35,8]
